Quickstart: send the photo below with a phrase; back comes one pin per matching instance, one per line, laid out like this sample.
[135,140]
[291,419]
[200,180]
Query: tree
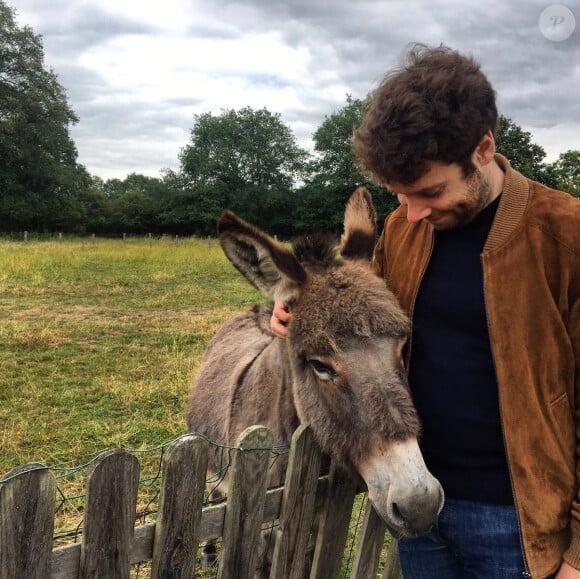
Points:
[336,164]
[334,174]
[135,204]
[97,210]
[567,169]
[524,155]
[38,174]
[245,160]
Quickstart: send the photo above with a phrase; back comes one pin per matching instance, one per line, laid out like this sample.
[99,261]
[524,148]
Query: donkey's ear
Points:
[265,263]
[360,226]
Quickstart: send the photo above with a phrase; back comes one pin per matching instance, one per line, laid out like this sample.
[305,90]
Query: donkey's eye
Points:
[322,370]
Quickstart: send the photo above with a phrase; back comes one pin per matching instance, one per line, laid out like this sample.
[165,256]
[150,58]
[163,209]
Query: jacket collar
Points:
[512,205]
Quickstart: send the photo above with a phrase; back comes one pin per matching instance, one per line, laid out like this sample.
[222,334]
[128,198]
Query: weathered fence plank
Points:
[26,522]
[372,539]
[392,568]
[109,516]
[179,516]
[66,562]
[297,513]
[334,524]
[245,506]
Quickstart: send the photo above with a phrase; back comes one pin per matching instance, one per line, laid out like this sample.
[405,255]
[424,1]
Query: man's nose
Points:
[415,211]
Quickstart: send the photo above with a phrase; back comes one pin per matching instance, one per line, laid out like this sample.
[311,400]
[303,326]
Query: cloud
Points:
[136,72]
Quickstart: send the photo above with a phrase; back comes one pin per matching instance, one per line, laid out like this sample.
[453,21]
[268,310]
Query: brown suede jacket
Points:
[531,267]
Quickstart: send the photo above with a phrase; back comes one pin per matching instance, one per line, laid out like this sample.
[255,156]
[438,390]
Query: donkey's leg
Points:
[209,554]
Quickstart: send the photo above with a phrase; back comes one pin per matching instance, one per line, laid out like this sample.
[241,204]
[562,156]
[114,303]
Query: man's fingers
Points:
[281,312]
[280,317]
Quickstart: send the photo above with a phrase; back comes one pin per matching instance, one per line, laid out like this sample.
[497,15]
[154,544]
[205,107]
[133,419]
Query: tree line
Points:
[246,160]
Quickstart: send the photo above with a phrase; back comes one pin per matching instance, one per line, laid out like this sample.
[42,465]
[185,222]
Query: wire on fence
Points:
[70,503]
[69,511]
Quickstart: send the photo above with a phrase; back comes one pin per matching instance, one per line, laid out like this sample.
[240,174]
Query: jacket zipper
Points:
[527,572]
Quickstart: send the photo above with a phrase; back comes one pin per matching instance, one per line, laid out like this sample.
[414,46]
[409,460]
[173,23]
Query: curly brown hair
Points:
[437,107]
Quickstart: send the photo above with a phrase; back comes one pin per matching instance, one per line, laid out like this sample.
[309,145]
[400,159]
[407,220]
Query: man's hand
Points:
[567,572]
[279,320]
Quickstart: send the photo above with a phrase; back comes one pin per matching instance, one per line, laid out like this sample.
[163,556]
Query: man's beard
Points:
[477,198]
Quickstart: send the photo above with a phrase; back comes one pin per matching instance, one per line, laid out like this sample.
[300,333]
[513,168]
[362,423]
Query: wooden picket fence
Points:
[111,543]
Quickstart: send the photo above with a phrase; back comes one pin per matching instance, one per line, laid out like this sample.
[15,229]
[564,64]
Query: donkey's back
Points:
[237,384]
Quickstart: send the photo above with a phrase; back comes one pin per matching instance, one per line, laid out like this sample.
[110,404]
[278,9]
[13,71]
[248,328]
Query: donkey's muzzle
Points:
[404,493]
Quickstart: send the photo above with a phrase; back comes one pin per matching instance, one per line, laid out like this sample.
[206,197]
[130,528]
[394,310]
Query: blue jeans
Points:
[469,541]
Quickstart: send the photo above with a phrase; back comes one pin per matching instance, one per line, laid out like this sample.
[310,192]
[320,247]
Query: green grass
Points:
[100,341]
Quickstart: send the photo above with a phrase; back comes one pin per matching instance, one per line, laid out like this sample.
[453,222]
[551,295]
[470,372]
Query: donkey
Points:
[340,369]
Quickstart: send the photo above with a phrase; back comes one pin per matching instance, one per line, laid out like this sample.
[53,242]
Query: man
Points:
[487,263]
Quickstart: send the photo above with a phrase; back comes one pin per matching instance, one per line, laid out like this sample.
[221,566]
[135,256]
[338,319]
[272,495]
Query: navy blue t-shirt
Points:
[451,373]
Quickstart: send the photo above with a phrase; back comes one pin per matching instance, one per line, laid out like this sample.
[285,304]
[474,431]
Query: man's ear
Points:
[265,262]
[484,152]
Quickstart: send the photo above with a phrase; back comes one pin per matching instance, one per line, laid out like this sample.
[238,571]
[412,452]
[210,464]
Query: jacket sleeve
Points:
[572,554]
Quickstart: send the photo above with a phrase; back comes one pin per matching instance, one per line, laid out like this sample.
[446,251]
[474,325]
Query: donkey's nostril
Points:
[396,512]
[406,513]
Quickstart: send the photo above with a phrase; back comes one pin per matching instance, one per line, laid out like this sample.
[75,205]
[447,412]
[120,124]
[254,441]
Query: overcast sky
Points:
[137,71]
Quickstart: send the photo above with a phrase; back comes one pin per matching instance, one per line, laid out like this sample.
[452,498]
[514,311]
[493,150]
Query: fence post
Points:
[110,508]
[179,515]
[333,530]
[245,507]
[27,500]
[372,539]
[26,237]
[297,512]
[392,568]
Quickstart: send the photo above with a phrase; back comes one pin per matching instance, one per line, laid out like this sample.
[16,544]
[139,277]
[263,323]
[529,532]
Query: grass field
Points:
[100,340]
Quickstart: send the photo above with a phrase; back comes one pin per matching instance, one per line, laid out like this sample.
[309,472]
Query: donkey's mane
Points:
[316,249]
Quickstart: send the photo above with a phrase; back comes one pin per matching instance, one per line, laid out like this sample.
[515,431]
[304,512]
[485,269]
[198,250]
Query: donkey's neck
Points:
[262,391]
[275,362]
